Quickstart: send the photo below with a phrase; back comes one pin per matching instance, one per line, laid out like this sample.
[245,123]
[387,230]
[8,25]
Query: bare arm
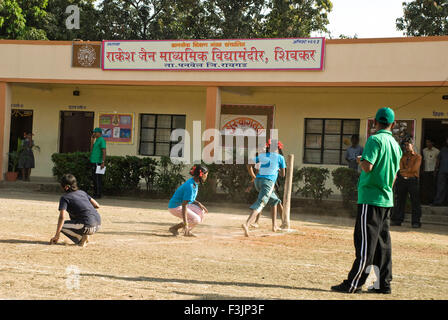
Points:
[201,206]
[184,217]
[92,141]
[366,166]
[94,203]
[282,172]
[59,227]
[250,169]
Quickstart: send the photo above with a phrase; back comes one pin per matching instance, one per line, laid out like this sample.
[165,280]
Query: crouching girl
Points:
[84,219]
[183,204]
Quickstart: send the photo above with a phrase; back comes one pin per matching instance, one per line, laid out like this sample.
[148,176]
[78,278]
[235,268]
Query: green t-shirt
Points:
[375,187]
[97,153]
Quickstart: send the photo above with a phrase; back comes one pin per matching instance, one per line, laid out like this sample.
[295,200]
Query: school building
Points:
[316,94]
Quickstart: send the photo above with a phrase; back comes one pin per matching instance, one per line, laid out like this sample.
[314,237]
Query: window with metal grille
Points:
[155,133]
[326,140]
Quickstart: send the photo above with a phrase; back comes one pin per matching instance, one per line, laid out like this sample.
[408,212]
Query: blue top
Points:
[351,154]
[80,209]
[270,164]
[186,192]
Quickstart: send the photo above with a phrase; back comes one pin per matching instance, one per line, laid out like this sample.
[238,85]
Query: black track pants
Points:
[373,247]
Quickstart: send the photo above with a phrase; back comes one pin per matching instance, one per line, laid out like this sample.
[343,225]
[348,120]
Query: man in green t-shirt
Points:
[380,163]
[97,158]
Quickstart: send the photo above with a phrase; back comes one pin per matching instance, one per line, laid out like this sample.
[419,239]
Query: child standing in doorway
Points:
[183,203]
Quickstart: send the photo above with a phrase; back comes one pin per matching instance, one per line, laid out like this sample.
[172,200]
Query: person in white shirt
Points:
[430,154]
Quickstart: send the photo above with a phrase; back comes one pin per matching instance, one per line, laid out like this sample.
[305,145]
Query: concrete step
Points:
[38,184]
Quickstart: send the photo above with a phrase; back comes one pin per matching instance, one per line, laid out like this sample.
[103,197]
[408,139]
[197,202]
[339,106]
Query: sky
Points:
[365,18]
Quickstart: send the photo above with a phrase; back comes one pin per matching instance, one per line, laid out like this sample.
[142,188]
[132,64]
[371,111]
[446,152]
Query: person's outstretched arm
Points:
[55,239]
[94,203]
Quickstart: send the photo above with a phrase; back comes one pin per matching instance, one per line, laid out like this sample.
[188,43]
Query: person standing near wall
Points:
[26,156]
[442,176]
[97,158]
[408,182]
[380,163]
[353,152]
[428,180]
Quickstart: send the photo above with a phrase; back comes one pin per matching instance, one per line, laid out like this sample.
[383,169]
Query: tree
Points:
[23,19]
[296,18]
[89,16]
[424,18]
[235,19]
[134,19]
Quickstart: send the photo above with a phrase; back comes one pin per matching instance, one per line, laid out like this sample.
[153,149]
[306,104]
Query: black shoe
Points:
[382,290]
[344,287]
[416,225]
[395,223]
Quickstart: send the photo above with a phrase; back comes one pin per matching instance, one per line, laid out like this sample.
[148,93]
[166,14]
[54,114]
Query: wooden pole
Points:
[288,189]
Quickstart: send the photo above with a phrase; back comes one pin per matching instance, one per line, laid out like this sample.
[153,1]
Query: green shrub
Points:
[314,180]
[148,172]
[78,164]
[122,175]
[169,176]
[346,180]
[234,181]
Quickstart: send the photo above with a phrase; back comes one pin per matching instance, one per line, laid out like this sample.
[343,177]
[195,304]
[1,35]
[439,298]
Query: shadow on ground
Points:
[201,282]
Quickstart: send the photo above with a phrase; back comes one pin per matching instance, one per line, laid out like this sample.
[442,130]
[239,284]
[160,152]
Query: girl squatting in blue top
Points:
[183,203]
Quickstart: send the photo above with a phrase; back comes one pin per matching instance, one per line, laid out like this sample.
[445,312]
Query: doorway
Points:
[21,121]
[435,129]
[76,131]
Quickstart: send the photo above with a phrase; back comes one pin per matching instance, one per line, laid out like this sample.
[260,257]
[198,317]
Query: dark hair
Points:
[198,170]
[355,136]
[279,147]
[70,181]
[384,125]
[408,140]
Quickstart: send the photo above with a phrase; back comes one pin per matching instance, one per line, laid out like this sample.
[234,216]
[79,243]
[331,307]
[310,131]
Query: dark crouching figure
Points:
[84,219]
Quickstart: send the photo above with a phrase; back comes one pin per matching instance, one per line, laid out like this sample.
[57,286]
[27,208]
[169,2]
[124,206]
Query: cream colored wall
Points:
[344,62]
[293,105]
[47,101]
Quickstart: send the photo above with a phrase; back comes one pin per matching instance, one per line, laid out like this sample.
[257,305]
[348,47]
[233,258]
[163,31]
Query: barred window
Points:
[155,133]
[326,140]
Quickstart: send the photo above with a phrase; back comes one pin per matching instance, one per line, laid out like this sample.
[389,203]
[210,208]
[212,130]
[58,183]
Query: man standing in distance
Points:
[380,163]
[97,158]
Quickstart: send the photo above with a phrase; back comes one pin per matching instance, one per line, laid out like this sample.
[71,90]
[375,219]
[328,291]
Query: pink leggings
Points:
[195,215]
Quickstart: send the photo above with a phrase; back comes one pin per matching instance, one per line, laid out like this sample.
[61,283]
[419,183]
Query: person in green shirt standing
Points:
[380,163]
[97,158]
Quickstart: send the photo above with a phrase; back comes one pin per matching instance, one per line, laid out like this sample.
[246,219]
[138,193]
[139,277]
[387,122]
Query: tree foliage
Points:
[23,19]
[89,16]
[296,18]
[424,18]
[163,19]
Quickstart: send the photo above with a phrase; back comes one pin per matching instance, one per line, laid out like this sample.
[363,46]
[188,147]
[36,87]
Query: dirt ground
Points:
[134,256]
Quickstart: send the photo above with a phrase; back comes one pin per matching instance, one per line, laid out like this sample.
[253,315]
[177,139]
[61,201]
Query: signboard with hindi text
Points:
[242,54]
